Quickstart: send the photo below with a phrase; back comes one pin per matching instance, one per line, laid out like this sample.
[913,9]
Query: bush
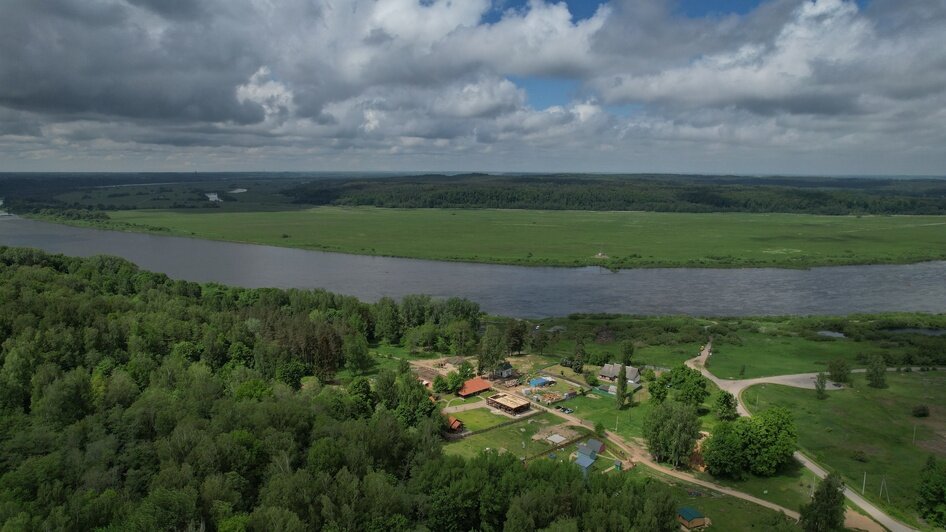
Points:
[921,411]
[859,455]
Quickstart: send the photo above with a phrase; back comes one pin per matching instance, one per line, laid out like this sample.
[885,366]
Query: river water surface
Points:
[511,290]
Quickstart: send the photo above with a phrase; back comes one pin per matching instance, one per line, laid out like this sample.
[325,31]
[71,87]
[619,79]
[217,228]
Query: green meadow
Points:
[868,430]
[567,238]
[726,512]
[766,355]
[515,438]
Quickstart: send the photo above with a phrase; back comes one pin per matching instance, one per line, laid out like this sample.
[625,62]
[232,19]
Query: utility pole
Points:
[864,484]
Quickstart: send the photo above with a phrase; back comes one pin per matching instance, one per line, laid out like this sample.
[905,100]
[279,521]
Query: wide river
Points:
[511,290]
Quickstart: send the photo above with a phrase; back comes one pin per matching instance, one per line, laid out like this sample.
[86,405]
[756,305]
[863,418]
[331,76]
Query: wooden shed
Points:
[691,518]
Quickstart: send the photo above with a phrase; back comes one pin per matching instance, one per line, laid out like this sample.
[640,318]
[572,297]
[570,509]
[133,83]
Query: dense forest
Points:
[49,194]
[637,193]
[131,401]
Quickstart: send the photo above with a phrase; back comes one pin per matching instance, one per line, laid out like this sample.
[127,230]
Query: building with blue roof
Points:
[584,463]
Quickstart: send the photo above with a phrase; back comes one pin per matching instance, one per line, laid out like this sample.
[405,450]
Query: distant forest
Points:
[637,193]
[33,193]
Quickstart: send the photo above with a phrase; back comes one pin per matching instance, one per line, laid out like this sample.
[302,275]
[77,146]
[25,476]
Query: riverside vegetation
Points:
[610,221]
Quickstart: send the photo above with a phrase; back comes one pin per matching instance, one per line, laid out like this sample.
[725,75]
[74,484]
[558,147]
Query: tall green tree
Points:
[387,322]
[825,512]
[538,342]
[627,351]
[515,336]
[621,385]
[693,391]
[932,491]
[492,347]
[462,337]
[839,370]
[385,386]
[671,430]
[658,388]
[578,357]
[726,406]
[771,440]
[724,451]
[466,370]
[877,372]
[357,359]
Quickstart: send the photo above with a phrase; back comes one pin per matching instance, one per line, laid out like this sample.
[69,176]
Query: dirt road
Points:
[802,380]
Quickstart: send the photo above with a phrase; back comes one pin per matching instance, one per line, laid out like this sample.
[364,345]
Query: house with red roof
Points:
[474,386]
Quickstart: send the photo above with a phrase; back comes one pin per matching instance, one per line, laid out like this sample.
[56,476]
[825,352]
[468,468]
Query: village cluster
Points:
[526,411]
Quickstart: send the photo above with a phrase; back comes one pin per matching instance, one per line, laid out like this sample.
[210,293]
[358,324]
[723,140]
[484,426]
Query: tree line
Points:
[832,196]
[131,401]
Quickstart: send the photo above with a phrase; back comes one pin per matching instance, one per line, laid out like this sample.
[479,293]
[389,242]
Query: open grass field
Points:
[666,356]
[726,512]
[629,422]
[869,430]
[571,238]
[765,355]
[480,418]
[515,438]
[789,488]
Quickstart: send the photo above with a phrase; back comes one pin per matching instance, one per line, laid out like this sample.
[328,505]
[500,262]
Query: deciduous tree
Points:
[877,372]
[671,430]
[825,512]
[726,406]
[839,370]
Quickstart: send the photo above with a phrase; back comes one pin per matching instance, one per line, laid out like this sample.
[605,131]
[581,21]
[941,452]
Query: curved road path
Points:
[802,380]
[639,454]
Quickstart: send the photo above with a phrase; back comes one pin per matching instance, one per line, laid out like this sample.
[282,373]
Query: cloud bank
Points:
[793,86]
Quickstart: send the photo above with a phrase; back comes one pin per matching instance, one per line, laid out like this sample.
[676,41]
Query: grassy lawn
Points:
[629,422]
[726,512]
[869,430]
[345,376]
[531,364]
[570,238]
[568,373]
[453,400]
[765,355]
[667,356]
[399,351]
[790,488]
[480,418]
[515,438]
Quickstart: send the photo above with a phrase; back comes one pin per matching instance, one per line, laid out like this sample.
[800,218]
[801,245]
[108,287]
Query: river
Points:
[511,290]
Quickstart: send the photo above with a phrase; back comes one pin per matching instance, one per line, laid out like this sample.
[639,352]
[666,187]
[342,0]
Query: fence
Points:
[467,434]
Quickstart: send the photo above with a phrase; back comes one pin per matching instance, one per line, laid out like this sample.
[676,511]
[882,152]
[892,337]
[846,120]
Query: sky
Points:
[834,87]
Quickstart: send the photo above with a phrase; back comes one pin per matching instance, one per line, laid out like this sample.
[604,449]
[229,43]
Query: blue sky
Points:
[806,86]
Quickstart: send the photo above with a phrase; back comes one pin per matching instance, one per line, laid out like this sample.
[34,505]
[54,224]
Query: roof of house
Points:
[688,513]
[474,385]
[454,423]
[596,445]
[586,450]
[613,370]
[584,461]
[509,401]
[539,381]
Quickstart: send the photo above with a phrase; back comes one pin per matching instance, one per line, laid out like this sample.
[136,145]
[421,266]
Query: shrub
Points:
[921,411]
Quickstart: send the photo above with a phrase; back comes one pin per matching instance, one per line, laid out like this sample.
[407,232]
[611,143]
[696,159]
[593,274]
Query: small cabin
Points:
[691,518]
